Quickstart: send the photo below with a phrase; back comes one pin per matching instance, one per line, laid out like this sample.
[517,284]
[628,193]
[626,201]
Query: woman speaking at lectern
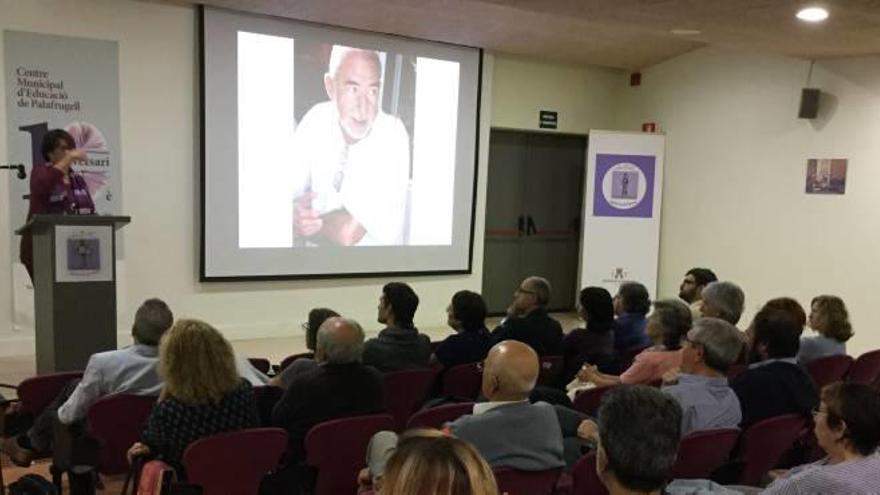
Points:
[55,188]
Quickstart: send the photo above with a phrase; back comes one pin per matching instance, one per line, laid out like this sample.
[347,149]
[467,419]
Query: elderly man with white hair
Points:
[723,300]
[351,160]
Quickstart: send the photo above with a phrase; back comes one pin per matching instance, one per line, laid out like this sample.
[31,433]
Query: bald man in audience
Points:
[527,319]
[508,430]
[339,386]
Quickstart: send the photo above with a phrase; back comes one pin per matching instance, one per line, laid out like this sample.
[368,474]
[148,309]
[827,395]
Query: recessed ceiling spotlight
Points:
[812,14]
[686,32]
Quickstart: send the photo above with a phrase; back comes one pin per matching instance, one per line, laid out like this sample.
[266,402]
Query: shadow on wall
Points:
[827,108]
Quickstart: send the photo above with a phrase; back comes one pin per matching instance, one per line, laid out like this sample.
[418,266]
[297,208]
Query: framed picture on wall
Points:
[826,176]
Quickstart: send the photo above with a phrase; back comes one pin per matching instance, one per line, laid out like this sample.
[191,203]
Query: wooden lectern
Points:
[74,287]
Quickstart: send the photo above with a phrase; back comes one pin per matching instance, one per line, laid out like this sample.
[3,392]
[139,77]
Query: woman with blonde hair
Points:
[829,318]
[202,392]
[431,462]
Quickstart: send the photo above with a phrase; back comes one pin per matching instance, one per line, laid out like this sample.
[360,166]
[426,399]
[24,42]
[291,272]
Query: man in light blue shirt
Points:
[132,370]
[707,401]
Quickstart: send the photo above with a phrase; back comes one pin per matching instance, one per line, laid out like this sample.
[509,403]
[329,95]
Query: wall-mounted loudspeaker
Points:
[809,108]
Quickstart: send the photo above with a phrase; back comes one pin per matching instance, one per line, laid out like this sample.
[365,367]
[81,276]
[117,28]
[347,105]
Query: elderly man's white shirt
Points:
[374,172]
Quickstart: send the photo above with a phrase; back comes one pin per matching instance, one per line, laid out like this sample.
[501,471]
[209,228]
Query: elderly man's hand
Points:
[306,221]
[671,376]
[587,373]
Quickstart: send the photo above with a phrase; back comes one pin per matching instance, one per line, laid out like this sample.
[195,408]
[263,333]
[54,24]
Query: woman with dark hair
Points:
[317,317]
[667,326]
[466,314]
[593,344]
[829,318]
[847,427]
[55,188]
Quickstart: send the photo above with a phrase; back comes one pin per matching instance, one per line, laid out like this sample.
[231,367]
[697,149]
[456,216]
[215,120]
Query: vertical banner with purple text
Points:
[624,186]
[54,82]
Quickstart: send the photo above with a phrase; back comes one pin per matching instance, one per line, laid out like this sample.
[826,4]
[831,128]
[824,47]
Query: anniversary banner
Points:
[69,83]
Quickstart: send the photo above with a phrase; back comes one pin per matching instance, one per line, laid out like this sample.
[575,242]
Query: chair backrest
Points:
[735,369]
[516,482]
[765,442]
[829,369]
[289,359]
[463,380]
[702,452]
[262,364]
[117,421]
[588,401]
[436,417]
[551,367]
[585,480]
[266,396]
[337,449]
[234,463]
[405,391]
[866,369]
[36,392]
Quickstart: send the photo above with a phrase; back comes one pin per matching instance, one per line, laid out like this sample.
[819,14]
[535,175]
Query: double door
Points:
[533,209]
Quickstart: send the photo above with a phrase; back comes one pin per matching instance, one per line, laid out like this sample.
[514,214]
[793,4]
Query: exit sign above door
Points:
[547,119]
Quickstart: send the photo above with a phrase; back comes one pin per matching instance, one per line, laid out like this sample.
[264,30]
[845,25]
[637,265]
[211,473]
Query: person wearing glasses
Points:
[847,427]
[528,321]
[317,316]
[702,391]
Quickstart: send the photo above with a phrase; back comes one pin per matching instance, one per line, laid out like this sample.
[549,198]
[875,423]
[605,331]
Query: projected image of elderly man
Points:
[351,160]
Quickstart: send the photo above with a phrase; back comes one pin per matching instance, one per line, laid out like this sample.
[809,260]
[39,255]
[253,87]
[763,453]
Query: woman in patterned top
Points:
[848,430]
[202,393]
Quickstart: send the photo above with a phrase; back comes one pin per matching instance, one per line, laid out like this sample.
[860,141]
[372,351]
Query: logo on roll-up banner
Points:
[624,186]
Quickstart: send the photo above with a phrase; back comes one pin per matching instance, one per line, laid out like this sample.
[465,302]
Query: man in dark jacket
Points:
[399,346]
[775,383]
[527,319]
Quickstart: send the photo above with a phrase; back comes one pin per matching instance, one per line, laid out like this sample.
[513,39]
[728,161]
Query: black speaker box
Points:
[809,103]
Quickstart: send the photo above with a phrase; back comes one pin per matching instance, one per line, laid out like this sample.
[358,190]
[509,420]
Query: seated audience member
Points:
[339,386]
[723,300]
[702,391]
[317,316]
[528,321]
[667,326]
[202,393]
[132,370]
[399,346]
[774,383]
[425,462]
[829,318]
[638,432]
[466,314]
[631,304]
[847,427]
[691,289]
[508,430]
[595,343]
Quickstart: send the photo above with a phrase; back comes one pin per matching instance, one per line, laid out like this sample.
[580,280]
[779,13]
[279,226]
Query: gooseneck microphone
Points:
[16,166]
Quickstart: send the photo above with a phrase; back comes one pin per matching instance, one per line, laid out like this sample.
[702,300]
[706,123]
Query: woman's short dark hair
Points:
[53,139]
[837,324]
[634,298]
[675,318]
[596,303]
[470,309]
[858,406]
[780,330]
[403,301]
[639,431]
[317,316]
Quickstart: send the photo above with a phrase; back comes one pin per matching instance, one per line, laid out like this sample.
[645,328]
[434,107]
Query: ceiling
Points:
[627,34]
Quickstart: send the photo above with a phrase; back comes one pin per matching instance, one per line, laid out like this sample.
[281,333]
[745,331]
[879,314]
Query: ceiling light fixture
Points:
[812,14]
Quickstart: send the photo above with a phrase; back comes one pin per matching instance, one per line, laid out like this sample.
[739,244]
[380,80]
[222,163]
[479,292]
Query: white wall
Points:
[159,118]
[735,176]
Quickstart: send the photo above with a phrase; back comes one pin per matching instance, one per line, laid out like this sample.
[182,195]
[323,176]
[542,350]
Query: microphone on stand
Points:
[17,166]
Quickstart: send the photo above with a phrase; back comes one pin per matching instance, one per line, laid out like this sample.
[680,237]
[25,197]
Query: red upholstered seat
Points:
[866,369]
[117,421]
[463,380]
[234,463]
[702,452]
[829,369]
[588,401]
[405,391]
[517,482]
[337,449]
[436,417]
[765,442]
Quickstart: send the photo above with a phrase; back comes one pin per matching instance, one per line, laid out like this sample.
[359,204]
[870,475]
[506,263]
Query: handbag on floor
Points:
[32,484]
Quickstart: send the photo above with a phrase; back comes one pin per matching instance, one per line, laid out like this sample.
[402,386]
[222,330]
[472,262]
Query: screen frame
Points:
[204,277]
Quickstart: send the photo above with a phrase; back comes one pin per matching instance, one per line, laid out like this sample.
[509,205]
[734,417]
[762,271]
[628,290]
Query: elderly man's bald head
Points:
[340,341]
[511,371]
